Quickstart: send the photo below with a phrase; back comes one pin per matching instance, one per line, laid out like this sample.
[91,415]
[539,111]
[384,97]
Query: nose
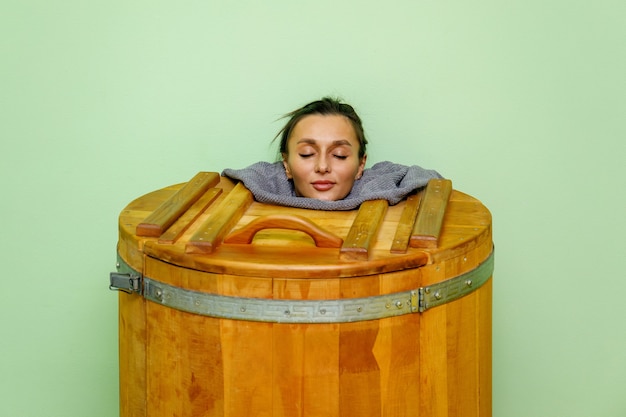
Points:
[321,165]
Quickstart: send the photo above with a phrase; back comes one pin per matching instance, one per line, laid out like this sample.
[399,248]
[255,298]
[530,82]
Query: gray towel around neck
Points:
[383,181]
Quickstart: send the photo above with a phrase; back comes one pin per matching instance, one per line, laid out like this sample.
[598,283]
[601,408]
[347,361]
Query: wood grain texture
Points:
[246,351]
[175,231]
[172,208]
[433,364]
[132,355]
[219,223]
[359,370]
[397,353]
[321,237]
[305,357]
[400,242]
[362,234]
[430,214]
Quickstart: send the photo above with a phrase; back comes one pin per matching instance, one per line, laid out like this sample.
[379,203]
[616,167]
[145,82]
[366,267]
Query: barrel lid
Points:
[213,224]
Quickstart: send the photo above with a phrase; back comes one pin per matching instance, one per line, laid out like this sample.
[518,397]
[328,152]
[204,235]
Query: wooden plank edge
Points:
[211,233]
[183,223]
[171,209]
[431,213]
[362,233]
[400,242]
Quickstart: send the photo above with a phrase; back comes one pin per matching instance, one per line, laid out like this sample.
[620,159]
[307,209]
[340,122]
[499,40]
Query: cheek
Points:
[295,170]
[301,165]
[351,173]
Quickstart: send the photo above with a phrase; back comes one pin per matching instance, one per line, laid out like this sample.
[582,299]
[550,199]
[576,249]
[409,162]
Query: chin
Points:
[319,196]
[329,197]
[326,198]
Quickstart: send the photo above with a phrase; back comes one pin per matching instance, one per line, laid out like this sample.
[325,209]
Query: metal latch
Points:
[128,283]
[126,279]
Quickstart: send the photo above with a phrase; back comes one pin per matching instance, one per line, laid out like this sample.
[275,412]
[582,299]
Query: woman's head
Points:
[325,106]
[323,148]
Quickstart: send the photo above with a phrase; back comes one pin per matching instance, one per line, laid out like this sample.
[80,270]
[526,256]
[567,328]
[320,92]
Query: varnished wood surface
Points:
[132,358]
[172,208]
[400,242]
[292,252]
[322,238]
[186,219]
[363,232]
[430,215]
[211,233]
[433,364]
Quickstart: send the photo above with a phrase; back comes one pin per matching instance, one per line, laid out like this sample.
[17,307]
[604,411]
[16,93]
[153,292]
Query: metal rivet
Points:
[287,312]
[117,265]
[388,305]
[197,302]
[469,282]
[359,309]
[242,309]
[158,292]
[438,295]
[399,304]
[427,290]
[323,311]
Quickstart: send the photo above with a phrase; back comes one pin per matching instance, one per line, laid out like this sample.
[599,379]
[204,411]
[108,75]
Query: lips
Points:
[323,185]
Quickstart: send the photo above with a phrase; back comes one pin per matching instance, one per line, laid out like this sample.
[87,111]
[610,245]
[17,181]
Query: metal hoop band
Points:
[302,311]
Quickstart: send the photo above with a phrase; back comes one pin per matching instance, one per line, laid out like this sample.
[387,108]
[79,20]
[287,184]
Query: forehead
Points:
[324,128]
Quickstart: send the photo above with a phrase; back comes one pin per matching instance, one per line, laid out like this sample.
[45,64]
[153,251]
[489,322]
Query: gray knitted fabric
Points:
[383,181]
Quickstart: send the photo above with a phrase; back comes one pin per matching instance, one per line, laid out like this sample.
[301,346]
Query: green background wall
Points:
[521,103]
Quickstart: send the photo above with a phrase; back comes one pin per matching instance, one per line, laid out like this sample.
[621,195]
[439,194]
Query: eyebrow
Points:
[340,142]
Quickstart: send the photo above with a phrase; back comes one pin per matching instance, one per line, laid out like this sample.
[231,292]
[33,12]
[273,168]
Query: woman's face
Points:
[323,157]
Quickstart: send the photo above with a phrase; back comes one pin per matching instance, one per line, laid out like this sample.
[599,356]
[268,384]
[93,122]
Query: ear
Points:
[359,172]
[287,170]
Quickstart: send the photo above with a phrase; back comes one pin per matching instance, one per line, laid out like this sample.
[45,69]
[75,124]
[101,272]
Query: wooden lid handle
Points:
[321,237]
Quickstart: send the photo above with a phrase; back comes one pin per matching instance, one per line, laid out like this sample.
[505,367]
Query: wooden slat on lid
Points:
[171,209]
[211,233]
[404,230]
[361,236]
[175,231]
[430,215]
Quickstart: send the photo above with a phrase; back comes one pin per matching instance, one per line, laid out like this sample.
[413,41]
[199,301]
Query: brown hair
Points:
[325,106]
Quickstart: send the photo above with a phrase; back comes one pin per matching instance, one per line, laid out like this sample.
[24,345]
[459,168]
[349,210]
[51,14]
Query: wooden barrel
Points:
[230,307]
